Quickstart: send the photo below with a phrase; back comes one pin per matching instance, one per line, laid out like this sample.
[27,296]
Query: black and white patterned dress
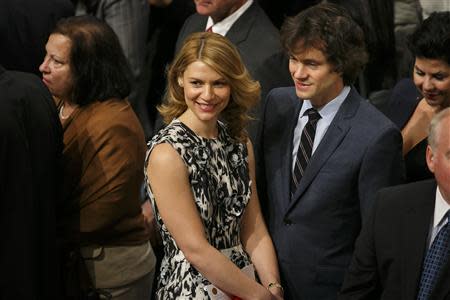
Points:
[219,177]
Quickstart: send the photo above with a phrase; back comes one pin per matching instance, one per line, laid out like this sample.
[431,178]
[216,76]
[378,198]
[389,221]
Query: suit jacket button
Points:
[287,221]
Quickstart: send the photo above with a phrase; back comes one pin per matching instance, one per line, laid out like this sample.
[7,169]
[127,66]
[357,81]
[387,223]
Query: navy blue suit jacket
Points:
[314,230]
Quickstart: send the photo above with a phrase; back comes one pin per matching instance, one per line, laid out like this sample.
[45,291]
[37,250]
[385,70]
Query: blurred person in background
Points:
[24,28]
[30,188]
[414,102]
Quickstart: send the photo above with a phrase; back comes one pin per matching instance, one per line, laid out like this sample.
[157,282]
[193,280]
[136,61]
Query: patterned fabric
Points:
[219,177]
[305,148]
[436,257]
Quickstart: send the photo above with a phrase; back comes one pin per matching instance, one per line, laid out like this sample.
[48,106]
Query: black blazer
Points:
[389,253]
[314,230]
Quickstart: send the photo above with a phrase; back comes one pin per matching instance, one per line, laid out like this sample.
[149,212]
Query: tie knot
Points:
[313,114]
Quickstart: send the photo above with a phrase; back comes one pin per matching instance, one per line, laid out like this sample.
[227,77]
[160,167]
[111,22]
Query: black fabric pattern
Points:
[219,176]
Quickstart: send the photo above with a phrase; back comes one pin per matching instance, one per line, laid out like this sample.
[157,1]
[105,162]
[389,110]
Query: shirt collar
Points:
[330,109]
[223,26]
[440,209]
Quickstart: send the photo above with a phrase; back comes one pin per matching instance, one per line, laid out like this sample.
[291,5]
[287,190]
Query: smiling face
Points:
[206,92]
[217,9]
[314,77]
[55,69]
[432,79]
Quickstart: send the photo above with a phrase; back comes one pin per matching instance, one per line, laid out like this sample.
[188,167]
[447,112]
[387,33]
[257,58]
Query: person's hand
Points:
[277,297]
[277,293]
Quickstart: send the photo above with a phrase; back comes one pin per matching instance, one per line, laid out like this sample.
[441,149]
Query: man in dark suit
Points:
[314,210]
[393,250]
[246,25]
[30,181]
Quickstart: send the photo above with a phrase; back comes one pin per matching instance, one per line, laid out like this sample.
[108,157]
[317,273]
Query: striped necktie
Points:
[305,148]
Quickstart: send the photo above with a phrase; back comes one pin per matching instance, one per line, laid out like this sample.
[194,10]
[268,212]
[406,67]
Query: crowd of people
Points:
[269,168]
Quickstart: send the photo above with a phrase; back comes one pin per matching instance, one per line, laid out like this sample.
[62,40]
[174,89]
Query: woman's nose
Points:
[207,92]
[427,83]
[43,68]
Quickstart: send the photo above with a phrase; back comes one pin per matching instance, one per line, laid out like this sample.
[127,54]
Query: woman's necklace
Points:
[61,113]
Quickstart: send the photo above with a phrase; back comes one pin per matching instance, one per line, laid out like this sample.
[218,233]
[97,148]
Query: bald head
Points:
[435,127]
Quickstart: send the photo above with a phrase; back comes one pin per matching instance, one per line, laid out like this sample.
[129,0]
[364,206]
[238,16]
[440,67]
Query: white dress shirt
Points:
[223,26]
[327,113]
[441,207]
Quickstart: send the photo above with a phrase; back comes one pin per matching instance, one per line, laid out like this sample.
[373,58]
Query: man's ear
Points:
[430,158]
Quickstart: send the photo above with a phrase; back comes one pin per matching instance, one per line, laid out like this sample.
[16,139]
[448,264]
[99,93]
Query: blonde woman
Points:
[201,180]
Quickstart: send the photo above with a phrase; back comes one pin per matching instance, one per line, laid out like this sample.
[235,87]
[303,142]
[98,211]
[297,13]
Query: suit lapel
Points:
[331,140]
[286,152]
[415,223]
[199,24]
[239,30]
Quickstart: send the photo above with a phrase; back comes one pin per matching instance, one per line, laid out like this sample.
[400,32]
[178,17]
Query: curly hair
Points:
[330,29]
[99,68]
[431,39]
[221,55]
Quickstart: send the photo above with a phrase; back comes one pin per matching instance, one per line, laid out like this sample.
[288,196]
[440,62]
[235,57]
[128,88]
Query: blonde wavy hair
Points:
[222,56]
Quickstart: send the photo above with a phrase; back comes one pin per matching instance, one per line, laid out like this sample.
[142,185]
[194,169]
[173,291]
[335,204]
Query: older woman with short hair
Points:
[104,149]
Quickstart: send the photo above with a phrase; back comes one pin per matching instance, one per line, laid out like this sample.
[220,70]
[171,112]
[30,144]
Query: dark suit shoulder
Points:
[24,78]
[402,102]
[283,92]
[406,195]
[194,23]
[368,117]
[263,24]
[22,82]
[247,32]
[282,97]
[281,104]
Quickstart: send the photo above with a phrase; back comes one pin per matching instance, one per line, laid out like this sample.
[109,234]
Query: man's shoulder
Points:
[261,19]
[23,85]
[283,92]
[407,194]
[258,23]
[368,116]
[195,23]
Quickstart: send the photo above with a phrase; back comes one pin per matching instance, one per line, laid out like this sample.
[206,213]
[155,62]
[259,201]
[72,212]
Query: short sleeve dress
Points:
[219,177]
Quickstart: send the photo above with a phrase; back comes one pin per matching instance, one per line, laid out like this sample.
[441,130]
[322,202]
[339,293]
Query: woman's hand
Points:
[276,293]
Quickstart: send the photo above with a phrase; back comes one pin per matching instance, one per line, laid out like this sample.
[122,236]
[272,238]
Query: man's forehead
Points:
[308,52]
[302,46]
